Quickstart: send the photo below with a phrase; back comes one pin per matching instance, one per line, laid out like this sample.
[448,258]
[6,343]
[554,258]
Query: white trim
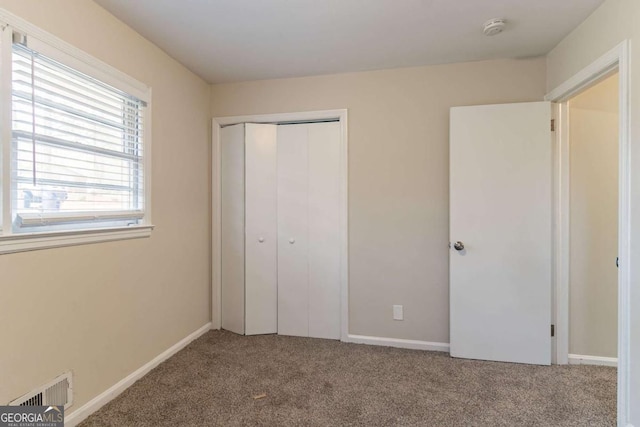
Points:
[80,414]
[398,343]
[344,226]
[283,117]
[216,229]
[5,129]
[624,237]
[148,160]
[28,219]
[31,242]
[340,115]
[580,359]
[588,75]
[618,57]
[561,235]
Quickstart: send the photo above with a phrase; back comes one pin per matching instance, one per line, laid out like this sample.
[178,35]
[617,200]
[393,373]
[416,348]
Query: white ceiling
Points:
[237,40]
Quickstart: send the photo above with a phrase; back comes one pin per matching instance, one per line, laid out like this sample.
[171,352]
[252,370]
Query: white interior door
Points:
[308,230]
[261,281]
[324,230]
[293,230]
[501,211]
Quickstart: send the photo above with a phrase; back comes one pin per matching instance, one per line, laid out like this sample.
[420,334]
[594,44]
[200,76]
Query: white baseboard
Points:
[80,414]
[398,343]
[579,359]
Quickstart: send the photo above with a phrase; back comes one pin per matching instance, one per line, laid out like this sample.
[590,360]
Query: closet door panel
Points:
[292,231]
[324,230]
[232,218]
[261,286]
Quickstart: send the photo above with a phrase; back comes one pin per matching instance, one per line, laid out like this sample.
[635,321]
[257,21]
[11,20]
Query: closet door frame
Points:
[216,226]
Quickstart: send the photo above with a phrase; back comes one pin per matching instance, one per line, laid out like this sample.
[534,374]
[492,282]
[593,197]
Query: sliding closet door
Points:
[324,230]
[293,293]
[232,218]
[261,286]
[308,230]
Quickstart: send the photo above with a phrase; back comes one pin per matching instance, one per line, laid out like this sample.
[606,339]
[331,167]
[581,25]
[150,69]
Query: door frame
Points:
[617,59]
[299,117]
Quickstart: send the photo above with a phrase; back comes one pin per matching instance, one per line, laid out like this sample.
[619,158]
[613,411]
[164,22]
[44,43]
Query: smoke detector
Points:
[494,26]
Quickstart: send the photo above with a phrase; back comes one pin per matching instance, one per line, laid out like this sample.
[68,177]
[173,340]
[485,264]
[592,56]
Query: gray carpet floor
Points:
[314,382]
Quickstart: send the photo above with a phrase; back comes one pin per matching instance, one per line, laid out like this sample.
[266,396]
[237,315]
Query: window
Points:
[74,144]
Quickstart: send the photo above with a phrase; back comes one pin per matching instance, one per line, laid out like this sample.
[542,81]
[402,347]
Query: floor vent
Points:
[58,392]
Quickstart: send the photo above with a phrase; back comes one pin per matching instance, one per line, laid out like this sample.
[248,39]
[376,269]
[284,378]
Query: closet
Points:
[280,200]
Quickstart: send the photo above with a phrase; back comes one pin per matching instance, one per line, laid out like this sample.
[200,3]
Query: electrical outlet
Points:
[398,313]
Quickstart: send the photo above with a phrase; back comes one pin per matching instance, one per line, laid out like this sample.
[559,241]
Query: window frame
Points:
[71,56]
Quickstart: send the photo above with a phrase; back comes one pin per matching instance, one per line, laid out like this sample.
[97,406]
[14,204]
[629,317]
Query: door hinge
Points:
[553,125]
[553,330]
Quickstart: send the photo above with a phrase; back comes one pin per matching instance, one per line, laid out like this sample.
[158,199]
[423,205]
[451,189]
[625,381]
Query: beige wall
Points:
[593,293]
[398,175]
[610,24]
[106,309]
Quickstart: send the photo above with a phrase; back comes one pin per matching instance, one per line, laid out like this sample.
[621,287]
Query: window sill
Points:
[32,242]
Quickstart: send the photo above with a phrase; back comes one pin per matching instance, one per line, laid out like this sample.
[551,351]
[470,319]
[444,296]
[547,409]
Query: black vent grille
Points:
[33,401]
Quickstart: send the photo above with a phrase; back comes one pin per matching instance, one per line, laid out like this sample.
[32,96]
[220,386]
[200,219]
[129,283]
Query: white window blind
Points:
[77,148]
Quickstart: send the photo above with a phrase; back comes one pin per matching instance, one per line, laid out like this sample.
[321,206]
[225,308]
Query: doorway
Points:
[617,59]
[593,223]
